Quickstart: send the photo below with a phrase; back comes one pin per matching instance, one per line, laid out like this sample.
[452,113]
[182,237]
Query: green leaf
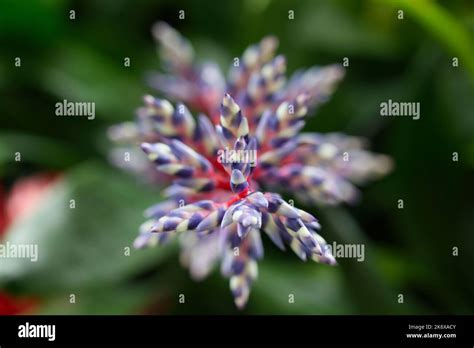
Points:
[81,74]
[446,28]
[35,149]
[334,29]
[120,299]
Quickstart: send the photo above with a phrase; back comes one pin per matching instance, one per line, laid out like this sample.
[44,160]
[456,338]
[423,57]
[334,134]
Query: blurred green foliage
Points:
[408,251]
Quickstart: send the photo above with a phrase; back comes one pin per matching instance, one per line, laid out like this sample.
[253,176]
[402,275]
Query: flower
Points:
[220,208]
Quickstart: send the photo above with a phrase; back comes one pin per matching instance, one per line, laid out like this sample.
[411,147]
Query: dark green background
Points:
[408,251]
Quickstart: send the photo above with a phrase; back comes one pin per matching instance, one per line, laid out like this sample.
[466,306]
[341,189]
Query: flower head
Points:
[218,202]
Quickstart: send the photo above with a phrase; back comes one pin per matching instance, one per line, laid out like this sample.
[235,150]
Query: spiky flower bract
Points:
[219,208]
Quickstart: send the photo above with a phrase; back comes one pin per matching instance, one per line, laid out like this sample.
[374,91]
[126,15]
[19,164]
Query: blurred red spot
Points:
[24,197]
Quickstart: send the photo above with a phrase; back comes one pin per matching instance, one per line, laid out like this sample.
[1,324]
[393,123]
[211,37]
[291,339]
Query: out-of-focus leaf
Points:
[456,100]
[150,296]
[17,18]
[339,32]
[85,246]
[314,288]
[80,74]
[444,27]
[35,149]
[369,286]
